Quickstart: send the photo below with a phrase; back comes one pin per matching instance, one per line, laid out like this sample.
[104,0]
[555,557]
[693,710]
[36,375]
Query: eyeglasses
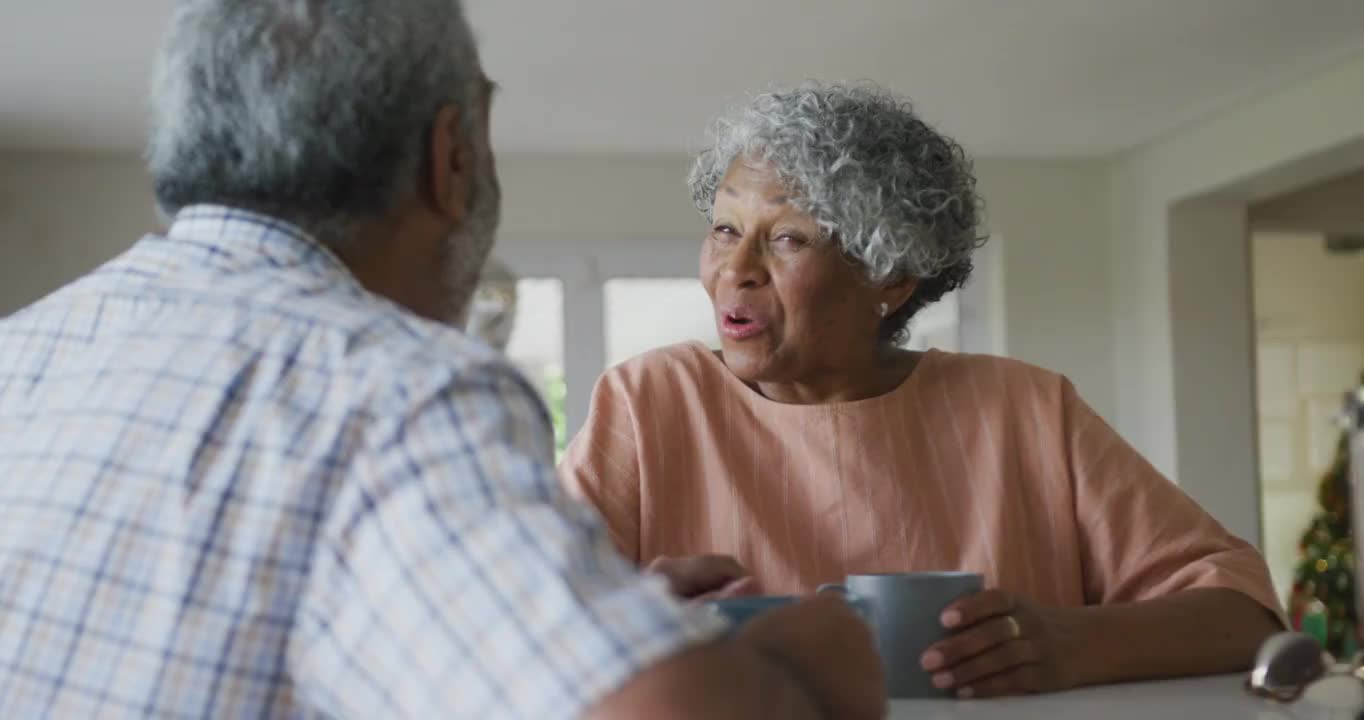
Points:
[1289,663]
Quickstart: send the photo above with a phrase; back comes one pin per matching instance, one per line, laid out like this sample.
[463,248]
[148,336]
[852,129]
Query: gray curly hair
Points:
[898,197]
[313,110]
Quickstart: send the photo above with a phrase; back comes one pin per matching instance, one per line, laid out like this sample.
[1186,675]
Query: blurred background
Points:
[1174,188]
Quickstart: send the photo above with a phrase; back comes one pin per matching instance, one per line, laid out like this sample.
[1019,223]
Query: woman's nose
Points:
[747,265]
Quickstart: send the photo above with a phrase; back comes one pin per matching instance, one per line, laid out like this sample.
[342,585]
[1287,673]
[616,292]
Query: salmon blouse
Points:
[973,463]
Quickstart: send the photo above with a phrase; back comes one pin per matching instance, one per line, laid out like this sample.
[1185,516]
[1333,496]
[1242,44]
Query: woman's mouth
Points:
[742,323]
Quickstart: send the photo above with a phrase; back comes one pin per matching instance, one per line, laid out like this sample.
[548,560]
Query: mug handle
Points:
[860,605]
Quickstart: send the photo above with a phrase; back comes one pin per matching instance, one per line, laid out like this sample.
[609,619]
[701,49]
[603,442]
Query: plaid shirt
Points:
[233,483]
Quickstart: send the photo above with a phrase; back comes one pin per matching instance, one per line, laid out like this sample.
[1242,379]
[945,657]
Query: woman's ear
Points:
[897,293]
[450,164]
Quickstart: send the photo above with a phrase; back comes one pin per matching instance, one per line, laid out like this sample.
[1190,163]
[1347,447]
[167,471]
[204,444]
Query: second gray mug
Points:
[905,610]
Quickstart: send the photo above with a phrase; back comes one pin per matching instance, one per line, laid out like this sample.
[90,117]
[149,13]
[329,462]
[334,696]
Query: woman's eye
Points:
[724,232]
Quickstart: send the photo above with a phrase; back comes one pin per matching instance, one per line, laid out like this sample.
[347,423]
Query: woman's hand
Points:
[705,577]
[1004,645]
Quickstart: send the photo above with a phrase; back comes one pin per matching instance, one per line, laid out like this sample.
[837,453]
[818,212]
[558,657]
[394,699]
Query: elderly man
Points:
[247,470]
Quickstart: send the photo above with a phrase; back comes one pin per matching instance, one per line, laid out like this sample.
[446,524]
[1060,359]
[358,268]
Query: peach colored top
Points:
[974,463]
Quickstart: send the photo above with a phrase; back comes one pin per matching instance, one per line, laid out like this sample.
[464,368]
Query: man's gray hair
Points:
[897,196]
[316,111]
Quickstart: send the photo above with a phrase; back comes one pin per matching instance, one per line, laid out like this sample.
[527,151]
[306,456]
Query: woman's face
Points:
[789,307]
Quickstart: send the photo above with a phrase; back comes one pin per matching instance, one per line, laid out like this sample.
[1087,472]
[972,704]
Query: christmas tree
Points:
[1322,602]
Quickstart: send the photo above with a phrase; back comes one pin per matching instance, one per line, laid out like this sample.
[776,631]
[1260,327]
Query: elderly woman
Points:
[812,446]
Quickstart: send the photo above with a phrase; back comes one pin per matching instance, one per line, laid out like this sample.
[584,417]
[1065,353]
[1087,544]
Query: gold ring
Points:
[1015,630]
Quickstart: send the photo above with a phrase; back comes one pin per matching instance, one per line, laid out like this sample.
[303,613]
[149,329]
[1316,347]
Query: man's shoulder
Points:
[412,355]
[403,372]
[376,325]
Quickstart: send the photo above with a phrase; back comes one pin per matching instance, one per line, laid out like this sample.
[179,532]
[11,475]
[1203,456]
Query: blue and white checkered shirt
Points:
[233,483]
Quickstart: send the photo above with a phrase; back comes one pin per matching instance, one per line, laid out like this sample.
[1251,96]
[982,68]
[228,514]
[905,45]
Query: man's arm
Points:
[810,661]
[454,577]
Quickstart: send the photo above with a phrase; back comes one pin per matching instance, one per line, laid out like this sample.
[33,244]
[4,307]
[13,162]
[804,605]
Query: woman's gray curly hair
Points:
[898,197]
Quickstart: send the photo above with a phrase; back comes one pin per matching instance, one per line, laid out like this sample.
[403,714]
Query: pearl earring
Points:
[884,309]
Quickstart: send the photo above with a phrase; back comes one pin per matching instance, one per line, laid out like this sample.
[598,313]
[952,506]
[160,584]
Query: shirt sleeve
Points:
[455,578]
[1141,536]
[601,465]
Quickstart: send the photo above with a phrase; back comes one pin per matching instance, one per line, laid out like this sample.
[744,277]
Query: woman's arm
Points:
[1006,645]
[1167,590]
[601,467]
[1202,631]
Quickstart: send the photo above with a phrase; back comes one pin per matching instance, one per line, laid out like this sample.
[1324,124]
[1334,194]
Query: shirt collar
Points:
[230,239]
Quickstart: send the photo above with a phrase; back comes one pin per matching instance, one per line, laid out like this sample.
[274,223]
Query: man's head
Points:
[363,121]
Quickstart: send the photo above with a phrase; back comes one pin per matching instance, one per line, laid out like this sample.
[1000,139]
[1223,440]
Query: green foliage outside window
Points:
[556,392]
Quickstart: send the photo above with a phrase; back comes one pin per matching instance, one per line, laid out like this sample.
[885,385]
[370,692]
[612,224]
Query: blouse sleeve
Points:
[1141,536]
[601,466]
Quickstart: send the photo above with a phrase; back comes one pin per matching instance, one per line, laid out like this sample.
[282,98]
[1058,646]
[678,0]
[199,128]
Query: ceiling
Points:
[1007,77]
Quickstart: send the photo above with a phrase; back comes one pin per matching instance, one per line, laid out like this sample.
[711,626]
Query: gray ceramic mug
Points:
[905,618]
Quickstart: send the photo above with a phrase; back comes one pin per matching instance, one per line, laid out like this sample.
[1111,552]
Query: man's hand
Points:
[829,650]
[811,660]
[705,577]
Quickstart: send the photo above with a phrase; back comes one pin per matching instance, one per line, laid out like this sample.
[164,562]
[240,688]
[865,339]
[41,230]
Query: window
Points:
[536,345]
[936,326]
[591,304]
[647,313]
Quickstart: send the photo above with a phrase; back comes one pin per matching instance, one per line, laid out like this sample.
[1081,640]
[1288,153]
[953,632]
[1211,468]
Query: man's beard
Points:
[467,249]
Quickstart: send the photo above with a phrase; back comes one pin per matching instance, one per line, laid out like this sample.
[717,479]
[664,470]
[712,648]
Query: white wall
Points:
[62,215]
[1112,269]
[636,213]
[1052,218]
[1276,143]
[1086,253]
[1215,395]
[1089,255]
